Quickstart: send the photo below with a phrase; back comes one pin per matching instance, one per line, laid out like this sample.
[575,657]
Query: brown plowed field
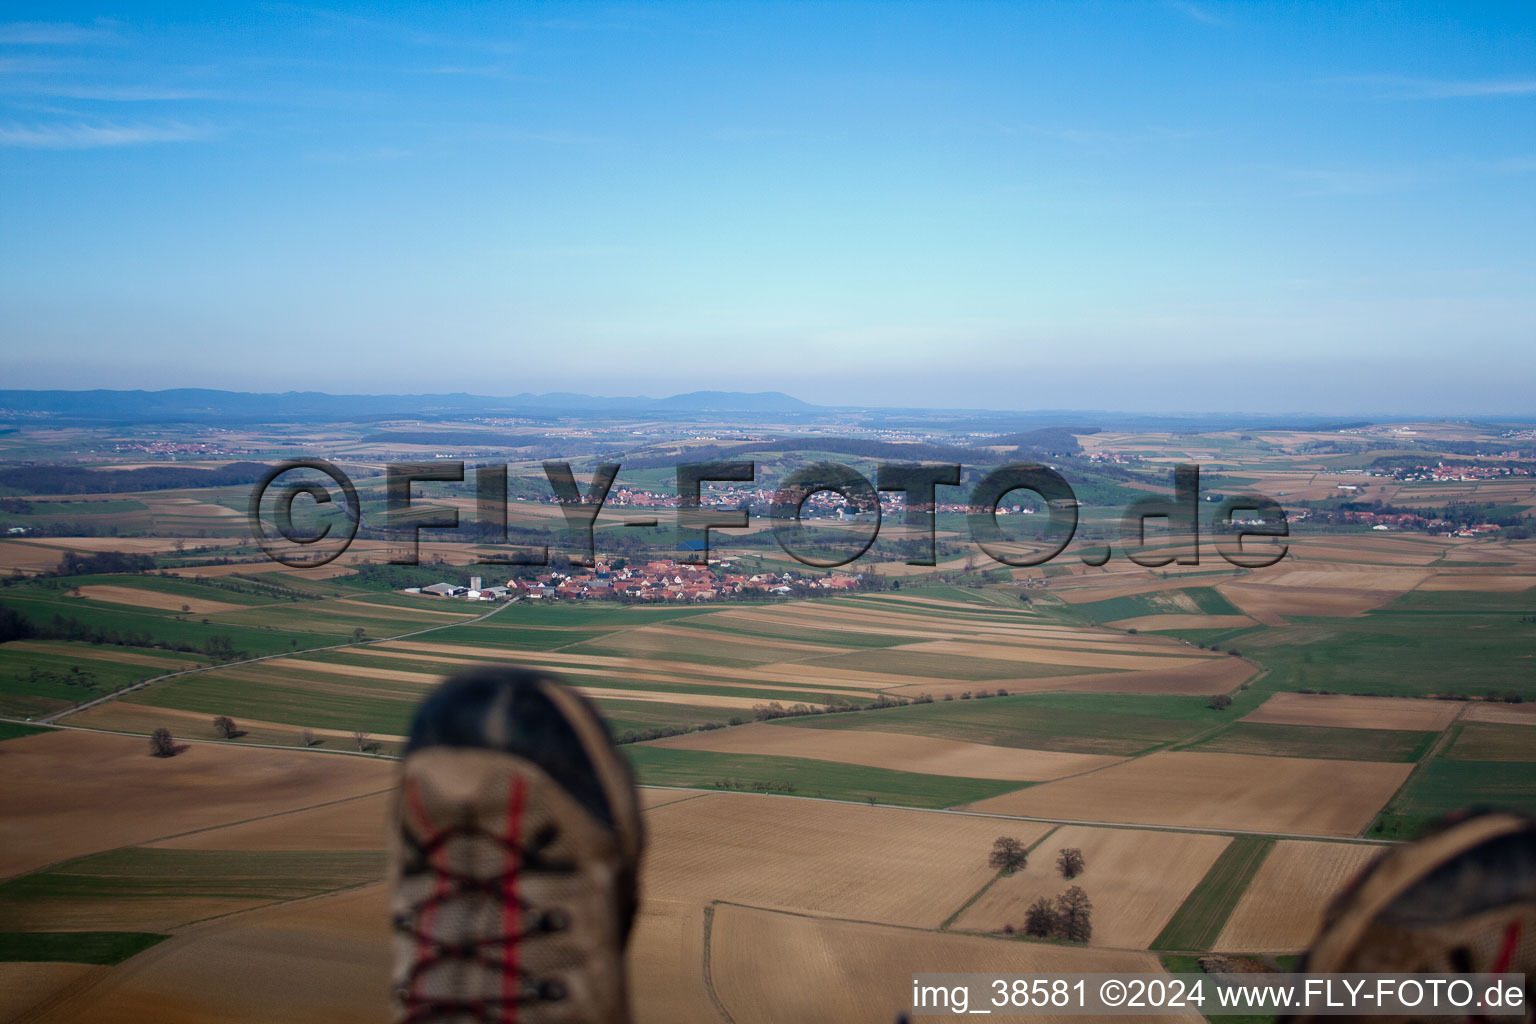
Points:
[1225,791]
[1283,906]
[851,972]
[118,795]
[822,857]
[1341,711]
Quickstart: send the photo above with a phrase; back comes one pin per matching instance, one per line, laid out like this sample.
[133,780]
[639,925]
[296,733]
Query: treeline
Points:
[15,626]
[100,562]
[79,480]
[1047,439]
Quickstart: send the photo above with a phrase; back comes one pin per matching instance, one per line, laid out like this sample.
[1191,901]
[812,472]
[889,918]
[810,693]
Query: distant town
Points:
[661,580]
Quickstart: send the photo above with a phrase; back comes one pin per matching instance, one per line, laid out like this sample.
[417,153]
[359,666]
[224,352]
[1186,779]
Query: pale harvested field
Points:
[358,671]
[126,716]
[1060,656]
[155,599]
[469,608]
[1224,791]
[1498,584]
[187,507]
[325,959]
[19,556]
[703,700]
[1338,577]
[113,779]
[1269,604]
[782,968]
[1153,622]
[1283,906]
[895,751]
[1505,714]
[1341,711]
[1104,586]
[1136,879]
[821,857]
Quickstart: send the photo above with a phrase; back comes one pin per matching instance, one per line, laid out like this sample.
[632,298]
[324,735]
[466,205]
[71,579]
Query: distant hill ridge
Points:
[197,404]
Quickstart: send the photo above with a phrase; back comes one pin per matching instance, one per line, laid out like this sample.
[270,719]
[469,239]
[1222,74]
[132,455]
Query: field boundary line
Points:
[709,977]
[944,927]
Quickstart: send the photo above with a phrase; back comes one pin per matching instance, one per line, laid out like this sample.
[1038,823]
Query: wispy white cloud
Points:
[52,33]
[36,65]
[96,136]
[1194,11]
[117,93]
[1399,87]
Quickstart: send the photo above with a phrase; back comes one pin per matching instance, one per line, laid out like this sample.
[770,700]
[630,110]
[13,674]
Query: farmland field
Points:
[825,771]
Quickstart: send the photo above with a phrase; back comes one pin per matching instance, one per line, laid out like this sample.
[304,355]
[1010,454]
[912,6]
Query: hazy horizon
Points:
[1168,206]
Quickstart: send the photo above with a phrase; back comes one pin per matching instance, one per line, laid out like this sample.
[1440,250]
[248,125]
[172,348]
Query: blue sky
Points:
[1151,206]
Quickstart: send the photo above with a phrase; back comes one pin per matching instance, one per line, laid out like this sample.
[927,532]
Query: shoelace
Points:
[494,952]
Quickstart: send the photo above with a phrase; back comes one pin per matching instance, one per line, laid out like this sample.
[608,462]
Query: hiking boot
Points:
[514,859]
[1461,900]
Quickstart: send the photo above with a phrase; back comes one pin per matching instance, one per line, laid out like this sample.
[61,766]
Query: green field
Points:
[16,730]
[1425,647]
[1490,741]
[136,873]
[1204,912]
[39,681]
[1206,601]
[104,948]
[658,766]
[1443,785]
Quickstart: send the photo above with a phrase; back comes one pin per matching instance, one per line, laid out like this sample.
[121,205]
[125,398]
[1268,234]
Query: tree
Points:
[225,727]
[1041,919]
[307,737]
[358,633]
[1221,702]
[160,742]
[1008,855]
[360,738]
[1070,862]
[1073,911]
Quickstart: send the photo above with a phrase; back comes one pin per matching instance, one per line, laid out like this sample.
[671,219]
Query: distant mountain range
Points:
[204,405]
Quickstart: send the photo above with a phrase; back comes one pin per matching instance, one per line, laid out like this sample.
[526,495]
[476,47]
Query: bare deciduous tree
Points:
[1074,910]
[1008,854]
[160,742]
[1221,702]
[225,727]
[1041,918]
[360,738]
[307,737]
[1070,862]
